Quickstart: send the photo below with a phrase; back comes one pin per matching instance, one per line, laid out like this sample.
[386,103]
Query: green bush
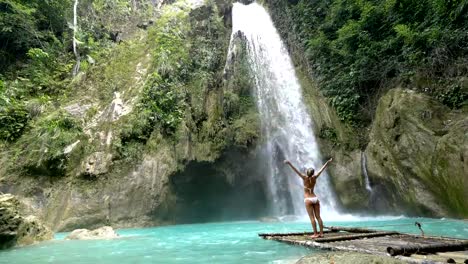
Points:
[14,119]
[169,44]
[14,116]
[161,107]
[357,47]
[329,134]
[453,95]
[29,24]
[42,147]
[162,104]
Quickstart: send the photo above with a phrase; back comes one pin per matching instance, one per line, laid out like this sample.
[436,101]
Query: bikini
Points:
[314,200]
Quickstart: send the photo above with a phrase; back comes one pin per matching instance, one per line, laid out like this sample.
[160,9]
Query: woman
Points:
[311,200]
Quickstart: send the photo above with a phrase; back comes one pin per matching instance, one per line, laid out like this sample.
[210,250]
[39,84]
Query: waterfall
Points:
[364,171]
[286,126]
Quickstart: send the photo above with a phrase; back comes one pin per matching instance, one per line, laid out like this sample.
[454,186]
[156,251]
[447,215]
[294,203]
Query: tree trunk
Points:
[76,68]
[440,247]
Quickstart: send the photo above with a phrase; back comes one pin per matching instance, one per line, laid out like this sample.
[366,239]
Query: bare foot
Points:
[314,236]
[321,235]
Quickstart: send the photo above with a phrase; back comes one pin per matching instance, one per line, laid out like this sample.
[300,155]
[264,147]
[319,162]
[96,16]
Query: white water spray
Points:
[286,125]
[364,171]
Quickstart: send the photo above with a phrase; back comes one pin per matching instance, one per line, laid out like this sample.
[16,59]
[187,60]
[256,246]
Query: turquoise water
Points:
[229,242]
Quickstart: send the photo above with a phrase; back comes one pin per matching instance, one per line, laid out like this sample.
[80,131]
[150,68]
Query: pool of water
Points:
[228,242]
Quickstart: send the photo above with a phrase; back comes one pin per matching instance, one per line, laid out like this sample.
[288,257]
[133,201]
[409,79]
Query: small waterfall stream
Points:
[364,171]
[286,125]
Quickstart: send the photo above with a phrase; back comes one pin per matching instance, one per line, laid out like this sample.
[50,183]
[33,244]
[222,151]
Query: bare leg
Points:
[310,211]
[316,208]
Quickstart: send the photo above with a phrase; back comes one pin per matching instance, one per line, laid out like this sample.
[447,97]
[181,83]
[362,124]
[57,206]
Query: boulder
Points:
[17,229]
[418,155]
[105,232]
[268,219]
[77,110]
[96,164]
[348,179]
[145,25]
[289,218]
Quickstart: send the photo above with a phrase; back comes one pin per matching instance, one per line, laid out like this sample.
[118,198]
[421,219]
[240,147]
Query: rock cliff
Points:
[157,133]
[17,228]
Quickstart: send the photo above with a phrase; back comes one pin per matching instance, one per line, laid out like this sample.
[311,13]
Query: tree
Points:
[76,68]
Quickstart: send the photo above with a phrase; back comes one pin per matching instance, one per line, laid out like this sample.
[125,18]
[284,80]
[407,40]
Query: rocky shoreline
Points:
[16,227]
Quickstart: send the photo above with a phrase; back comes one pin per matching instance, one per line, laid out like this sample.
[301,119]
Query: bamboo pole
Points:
[440,247]
[352,229]
[291,234]
[326,246]
[353,237]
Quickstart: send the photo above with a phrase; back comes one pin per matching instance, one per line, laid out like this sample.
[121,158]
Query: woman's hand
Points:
[287,162]
[330,160]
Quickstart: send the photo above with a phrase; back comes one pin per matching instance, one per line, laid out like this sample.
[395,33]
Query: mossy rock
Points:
[418,148]
[16,229]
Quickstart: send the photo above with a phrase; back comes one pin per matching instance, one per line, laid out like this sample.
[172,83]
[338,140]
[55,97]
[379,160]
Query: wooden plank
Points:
[374,242]
[354,237]
[441,247]
[325,246]
[352,229]
[293,234]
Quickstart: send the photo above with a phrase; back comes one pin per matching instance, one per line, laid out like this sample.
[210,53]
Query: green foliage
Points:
[42,147]
[246,129]
[357,47]
[45,74]
[160,109]
[32,51]
[162,104]
[14,118]
[170,46]
[329,134]
[207,41]
[454,94]
[17,30]
[29,24]
[116,71]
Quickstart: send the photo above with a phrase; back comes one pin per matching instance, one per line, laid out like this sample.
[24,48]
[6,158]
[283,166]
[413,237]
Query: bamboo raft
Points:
[411,248]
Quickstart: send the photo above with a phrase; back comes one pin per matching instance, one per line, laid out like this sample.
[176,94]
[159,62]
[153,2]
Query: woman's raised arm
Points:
[323,168]
[294,168]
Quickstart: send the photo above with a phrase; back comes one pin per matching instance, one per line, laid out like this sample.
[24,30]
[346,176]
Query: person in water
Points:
[311,200]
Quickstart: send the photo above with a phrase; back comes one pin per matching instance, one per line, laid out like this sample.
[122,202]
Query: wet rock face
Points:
[246,2]
[418,153]
[347,179]
[77,109]
[108,190]
[227,189]
[16,228]
[96,164]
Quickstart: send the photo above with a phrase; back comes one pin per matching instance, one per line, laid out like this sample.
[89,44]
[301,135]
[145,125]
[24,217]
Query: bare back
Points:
[309,185]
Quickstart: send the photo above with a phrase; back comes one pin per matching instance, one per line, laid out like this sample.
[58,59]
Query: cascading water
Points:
[286,125]
[364,171]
